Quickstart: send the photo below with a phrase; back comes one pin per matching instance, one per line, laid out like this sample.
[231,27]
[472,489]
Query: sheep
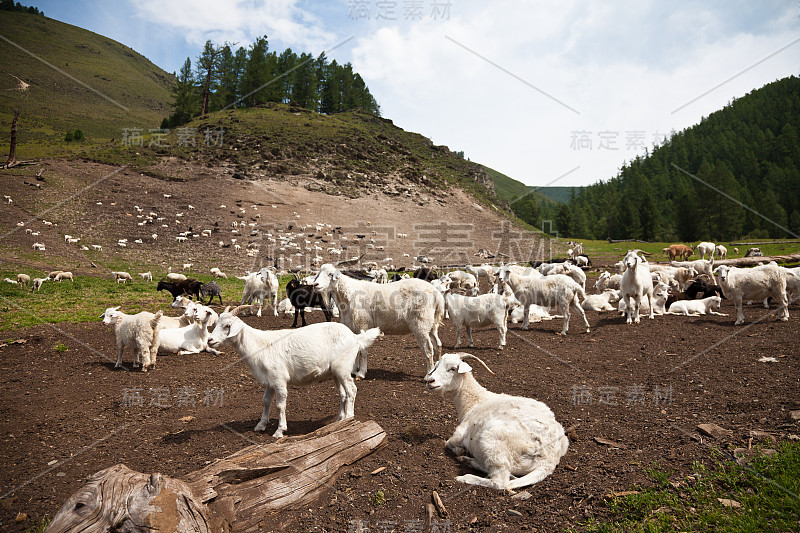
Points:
[558,290]
[636,283]
[11,281]
[499,434]
[477,312]
[217,273]
[38,246]
[572,271]
[37,284]
[23,279]
[601,302]
[755,283]
[721,252]
[608,281]
[462,282]
[188,286]
[705,248]
[122,277]
[188,266]
[258,287]
[295,357]
[405,306]
[146,276]
[188,339]
[63,275]
[696,307]
[302,295]
[175,277]
[54,273]
[140,332]
[210,289]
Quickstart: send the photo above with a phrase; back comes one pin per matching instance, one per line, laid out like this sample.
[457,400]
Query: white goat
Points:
[499,434]
[660,295]
[217,273]
[570,270]
[259,286]
[477,312]
[37,283]
[146,276]
[608,281]
[192,338]
[556,291]
[302,356]
[705,249]
[756,283]
[601,302]
[636,283]
[721,252]
[462,282]
[139,332]
[405,306]
[696,307]
[700,267]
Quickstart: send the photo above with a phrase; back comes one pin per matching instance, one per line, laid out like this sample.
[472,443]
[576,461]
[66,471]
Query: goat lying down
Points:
[502,435]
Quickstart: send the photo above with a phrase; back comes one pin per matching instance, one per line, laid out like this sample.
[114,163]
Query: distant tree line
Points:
[9,5]
[744,162]
[226,79]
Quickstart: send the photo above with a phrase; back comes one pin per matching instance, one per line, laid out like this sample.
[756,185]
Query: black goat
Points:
[303,296]
[187,286]
[428,274]
[700,288]
[210,289]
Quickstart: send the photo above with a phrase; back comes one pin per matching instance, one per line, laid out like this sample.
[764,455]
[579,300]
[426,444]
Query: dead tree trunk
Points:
[12,152]
[231,494]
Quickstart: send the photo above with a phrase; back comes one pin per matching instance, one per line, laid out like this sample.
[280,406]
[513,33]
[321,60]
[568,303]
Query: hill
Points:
[735,174]
[78,80]
[561,195]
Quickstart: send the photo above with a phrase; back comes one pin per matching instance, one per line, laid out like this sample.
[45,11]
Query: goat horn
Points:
[470,356]
[238,309]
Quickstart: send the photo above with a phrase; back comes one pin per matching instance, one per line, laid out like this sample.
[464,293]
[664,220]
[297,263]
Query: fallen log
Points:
[231,494]
[753,261]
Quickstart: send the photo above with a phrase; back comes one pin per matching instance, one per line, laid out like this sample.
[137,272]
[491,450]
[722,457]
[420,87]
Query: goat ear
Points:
[236,328]
[463,368]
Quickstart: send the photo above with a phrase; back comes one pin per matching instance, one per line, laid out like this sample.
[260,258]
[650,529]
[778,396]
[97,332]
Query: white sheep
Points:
[122,277]
[302,356]
[705,249]
[636,283]
[11,281]
[174,276]
[557,291]
[139,332]
[146,276]
[37,283]
[696,307]
[63,275]
[405,306]
[477,312]
[758,283]
[516,440]
[23,279]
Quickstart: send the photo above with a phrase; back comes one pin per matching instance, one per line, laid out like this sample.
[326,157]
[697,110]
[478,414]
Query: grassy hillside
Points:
[133,91]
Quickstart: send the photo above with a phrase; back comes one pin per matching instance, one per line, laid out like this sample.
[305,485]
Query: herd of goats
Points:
[516,441]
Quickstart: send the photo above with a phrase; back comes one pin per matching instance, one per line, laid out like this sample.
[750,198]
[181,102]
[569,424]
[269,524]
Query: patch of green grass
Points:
[60,347]
[40,527]
[765,496]
[378,498]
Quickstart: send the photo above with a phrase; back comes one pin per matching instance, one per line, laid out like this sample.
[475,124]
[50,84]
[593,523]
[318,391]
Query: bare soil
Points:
[65,415]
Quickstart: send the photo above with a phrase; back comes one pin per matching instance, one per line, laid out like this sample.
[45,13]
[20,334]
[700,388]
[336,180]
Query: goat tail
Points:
[366,338]
[155,321]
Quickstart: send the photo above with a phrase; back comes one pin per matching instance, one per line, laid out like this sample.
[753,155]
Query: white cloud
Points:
[238,21]
[625,68]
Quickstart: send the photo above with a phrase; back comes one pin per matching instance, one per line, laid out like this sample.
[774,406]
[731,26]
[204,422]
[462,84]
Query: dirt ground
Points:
[67,414]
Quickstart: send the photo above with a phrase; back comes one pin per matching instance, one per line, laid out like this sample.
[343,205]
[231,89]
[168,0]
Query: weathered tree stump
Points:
[231,494]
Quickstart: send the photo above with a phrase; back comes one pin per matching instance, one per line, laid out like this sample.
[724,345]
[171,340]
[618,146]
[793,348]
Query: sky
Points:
[558,93]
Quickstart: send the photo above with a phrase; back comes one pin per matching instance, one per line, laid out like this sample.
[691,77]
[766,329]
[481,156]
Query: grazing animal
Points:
[301,296]
[210,289]
[678,250]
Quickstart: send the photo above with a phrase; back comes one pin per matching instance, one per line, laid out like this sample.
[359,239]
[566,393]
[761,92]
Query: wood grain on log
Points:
[230,494]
